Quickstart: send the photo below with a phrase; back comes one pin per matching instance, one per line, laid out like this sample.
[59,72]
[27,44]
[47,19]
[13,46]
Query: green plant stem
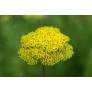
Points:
[44,70]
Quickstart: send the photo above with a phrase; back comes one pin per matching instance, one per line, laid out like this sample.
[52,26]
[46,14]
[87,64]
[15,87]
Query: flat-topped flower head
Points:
[45,45]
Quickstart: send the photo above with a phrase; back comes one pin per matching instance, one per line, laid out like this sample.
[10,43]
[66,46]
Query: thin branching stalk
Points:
[44,70]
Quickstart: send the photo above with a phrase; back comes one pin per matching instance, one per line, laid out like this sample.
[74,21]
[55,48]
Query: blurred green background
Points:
[79,28]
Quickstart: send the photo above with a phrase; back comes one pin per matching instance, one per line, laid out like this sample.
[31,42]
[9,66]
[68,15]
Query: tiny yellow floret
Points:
[46,45]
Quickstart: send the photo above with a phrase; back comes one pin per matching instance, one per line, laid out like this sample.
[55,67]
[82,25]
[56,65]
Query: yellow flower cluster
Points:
[46,45]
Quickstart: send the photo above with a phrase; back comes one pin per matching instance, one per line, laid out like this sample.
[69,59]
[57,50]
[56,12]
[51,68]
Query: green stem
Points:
[44,70]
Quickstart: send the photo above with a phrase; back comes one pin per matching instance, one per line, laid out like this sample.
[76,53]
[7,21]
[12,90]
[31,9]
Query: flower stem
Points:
[44,70]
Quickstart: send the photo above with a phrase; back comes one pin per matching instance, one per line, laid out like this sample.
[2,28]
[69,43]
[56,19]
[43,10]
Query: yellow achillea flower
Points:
[46,45]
